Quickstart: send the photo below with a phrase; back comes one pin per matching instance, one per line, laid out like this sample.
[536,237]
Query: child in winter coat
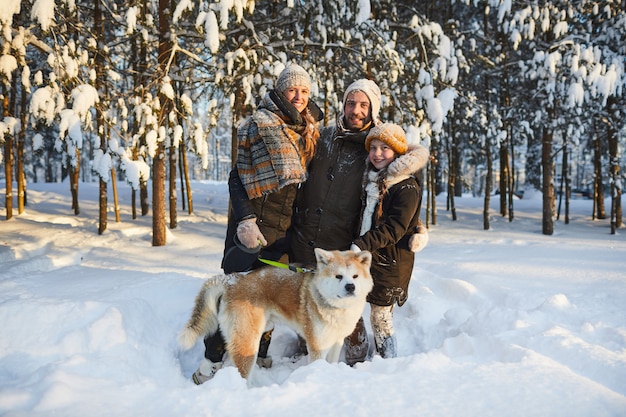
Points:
[391,207]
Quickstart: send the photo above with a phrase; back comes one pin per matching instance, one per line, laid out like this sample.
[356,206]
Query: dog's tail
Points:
[203,319]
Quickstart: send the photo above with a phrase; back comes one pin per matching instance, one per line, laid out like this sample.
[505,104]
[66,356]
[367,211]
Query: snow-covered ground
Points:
[505,322]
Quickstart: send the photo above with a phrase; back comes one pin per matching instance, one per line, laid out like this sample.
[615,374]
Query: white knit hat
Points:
[391,134]
[372,91]
[291,76]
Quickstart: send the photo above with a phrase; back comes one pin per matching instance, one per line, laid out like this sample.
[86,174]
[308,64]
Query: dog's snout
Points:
[350,288]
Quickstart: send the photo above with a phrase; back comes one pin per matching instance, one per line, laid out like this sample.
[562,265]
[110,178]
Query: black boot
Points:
[214,347]
[263,360]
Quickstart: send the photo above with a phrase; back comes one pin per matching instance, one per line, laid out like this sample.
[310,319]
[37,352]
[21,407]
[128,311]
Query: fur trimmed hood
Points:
[415,159]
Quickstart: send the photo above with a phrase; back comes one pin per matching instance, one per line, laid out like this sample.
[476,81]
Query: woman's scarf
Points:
[268,156]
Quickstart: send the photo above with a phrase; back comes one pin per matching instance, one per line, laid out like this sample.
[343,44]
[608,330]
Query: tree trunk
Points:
[74,173]
[185,167]
[452,172]
[99,60]
[102,201]
[547,186]
[19,174]
[614,149]
[488,181]
[8,157]
[511,182]
[159,161]
[598,189]
[504,178]
[433,191]
[172,186]
[181,174]
[116,202]
[144,199]
[567,181]
[158,196]
[142,66]
[614,172]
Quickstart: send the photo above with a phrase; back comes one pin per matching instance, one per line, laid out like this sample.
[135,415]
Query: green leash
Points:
[286,266]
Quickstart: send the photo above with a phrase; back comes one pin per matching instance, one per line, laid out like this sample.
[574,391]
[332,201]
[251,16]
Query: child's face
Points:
[380,154]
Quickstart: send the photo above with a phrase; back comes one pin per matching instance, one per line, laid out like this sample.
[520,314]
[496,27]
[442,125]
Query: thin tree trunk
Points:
[8,158]
[185,167]
[158,196]
[19,174]
[142,66]
[181,174]
[144,199]
[614,172]
[511,181]
[598,193]
[74,172]
[159,161]
[99,59]
[567,182]
[504,178]
[116,202]
[547,186]
[172,186]
[452,174]
[133,204]
[488,180]
[614,167]
[433,191]
[429,191]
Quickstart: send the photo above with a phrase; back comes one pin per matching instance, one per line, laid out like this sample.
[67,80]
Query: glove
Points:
[419,240]
[249,234]
[355,248]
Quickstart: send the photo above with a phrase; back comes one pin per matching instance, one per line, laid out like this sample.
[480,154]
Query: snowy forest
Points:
[508,95]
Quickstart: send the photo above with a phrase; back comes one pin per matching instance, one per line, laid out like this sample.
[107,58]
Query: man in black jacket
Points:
[328,205]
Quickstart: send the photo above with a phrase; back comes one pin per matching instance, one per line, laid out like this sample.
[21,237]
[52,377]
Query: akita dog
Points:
[321,306]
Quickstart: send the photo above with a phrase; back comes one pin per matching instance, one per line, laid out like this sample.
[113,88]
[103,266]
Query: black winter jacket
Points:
[272,211]
[328,204]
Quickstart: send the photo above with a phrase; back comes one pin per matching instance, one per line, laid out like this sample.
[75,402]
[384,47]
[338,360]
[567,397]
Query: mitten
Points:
[419,240]
[249,234]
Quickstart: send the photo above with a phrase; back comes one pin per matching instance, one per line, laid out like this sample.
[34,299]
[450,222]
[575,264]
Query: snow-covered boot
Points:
[357,344]
[206,371]
[387,347]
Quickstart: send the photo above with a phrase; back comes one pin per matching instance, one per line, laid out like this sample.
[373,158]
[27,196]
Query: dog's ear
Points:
[323,256]
[364,257]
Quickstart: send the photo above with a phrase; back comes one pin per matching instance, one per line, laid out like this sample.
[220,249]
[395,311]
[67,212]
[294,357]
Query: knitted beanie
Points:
[391,134]
[291,76]
[372,91]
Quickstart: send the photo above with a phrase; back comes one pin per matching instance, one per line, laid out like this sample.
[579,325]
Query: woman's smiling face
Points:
[298,96]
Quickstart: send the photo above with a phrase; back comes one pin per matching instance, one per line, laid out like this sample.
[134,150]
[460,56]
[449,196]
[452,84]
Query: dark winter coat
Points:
[273,210]
[387,236]
[328,204]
